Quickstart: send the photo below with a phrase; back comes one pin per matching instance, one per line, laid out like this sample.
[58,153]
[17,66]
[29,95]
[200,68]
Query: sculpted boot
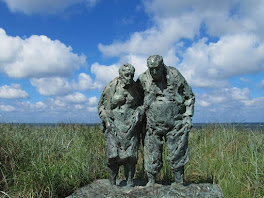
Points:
[113,171]
[151,179]
[129,174]
[179,174]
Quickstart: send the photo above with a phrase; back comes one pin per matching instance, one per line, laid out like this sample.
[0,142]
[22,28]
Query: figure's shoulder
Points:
[110,85]
[113,82]
[143,77]
[175,73]
[173,70]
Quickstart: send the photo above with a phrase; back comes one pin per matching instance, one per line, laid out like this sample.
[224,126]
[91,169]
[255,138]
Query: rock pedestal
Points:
[103,189]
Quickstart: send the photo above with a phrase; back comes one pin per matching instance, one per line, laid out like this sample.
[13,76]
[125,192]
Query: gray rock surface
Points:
[103,189]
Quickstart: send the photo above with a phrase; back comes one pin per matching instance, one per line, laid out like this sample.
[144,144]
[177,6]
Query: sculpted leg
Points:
[129,173]
[179,175]
[178,152]
[151,179]
[111,153]
[152,156]
[113,171]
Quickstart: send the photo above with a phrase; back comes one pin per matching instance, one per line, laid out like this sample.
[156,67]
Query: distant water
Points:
[259,126]
[54,124]
[247,125]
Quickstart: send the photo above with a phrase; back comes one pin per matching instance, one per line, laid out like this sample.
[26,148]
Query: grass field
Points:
[54,161]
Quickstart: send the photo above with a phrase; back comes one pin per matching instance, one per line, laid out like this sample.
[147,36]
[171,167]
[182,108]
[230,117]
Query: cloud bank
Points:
[210,42]
[236,25]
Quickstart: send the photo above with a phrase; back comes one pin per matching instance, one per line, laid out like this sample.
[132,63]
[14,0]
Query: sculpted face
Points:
[156,67]
[127,77]
[126,74]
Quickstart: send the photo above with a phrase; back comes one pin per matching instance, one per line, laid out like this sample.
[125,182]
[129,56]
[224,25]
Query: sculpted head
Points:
[126,73]
[156,67]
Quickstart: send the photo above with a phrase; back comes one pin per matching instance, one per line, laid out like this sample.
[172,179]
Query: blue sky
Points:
[57,56]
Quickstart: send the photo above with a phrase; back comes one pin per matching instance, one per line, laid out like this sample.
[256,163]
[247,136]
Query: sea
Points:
[251,126]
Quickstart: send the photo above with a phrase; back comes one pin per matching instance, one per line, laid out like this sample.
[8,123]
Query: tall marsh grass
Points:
[49,161]
[228,156]
[54,161]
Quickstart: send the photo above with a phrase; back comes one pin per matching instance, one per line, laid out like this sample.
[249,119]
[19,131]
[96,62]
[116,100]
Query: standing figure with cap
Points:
[169,106]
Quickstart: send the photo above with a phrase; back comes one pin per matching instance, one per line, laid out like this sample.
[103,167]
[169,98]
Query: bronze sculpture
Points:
[121,115]
[161,103]
[169,106]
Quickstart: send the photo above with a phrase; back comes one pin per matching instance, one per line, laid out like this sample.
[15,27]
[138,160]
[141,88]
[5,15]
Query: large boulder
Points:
[103,189]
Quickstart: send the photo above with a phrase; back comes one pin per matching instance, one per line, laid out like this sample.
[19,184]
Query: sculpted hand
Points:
[187,121]
[140,112]
[105,123]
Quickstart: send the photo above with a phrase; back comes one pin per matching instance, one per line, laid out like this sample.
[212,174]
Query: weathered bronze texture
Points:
[121,114]
[169,106]
[159,106]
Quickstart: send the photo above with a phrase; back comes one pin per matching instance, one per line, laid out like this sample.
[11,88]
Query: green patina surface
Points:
[121,114]
[158,106]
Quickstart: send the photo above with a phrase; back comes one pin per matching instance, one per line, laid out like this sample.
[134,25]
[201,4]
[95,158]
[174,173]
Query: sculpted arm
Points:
[147,96]
[189,101]
[103,108]
[139,88]
[187,95]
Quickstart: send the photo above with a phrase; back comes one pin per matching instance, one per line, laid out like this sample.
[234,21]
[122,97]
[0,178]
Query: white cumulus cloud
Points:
[261,83]
[75,97]
[156,40]
[37,56]
[204,103]
[209,65]
[92,101]
[28,106]
[46,6]
[85,82]
[177,34]
[58,86]
[92,109]
[7,108]
[12,92]
[104,74]
[79,107]
[52,86]
[228,105]
[219,17]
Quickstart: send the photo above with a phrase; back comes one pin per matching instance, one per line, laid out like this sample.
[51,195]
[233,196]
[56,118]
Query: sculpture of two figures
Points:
[158,105]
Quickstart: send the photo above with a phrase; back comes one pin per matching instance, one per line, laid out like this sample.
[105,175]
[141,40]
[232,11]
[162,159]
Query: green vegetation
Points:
[228,156]
[49,161]
[54,161]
